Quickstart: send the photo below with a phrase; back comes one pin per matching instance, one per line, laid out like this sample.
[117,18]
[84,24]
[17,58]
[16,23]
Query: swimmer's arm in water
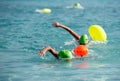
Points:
[74,34]
[50,49]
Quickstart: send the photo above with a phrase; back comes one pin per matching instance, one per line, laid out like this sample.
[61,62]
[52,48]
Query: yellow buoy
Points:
[97,33]
[46,10]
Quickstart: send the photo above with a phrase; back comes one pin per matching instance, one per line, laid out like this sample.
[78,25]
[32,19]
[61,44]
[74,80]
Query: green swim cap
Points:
[84,39]
[65,54]
[76,5]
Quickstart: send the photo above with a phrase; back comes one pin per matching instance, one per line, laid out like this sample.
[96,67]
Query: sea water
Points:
[24,32]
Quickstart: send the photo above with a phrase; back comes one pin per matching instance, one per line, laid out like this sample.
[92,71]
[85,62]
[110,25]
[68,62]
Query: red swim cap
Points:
[81,50]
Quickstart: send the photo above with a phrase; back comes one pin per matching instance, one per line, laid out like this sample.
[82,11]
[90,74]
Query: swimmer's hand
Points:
[44,50]
[56,24]
[41,53]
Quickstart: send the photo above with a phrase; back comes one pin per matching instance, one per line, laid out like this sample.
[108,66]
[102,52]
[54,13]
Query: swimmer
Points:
[79,51]
[82,40]
[78,5]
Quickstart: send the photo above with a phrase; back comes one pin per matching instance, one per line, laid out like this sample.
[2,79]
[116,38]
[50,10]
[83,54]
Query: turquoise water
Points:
[23,32]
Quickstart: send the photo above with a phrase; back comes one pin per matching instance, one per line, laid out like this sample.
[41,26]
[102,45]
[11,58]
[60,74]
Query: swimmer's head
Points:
[76,5]
[84,39]
[65,54]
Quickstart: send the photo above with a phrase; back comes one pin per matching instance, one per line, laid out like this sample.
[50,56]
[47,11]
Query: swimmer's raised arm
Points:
[50,49]
[74,34]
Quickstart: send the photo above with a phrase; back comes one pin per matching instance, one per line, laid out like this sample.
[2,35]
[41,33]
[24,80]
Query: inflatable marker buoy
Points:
[97,33]
[81,50]
[46,10]
[65,54]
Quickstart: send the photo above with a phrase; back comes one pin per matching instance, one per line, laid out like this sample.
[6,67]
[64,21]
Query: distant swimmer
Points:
[76,5]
